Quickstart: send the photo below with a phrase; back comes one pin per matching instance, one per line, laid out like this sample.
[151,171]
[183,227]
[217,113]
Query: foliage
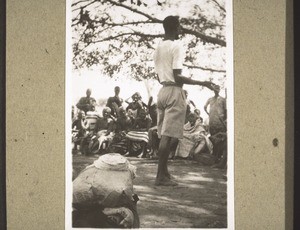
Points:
[120,35]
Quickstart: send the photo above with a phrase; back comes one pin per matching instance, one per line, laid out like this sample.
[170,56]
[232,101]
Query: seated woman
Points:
[104,130]
[138,136]
[123,125]
[136,105]
[194,138]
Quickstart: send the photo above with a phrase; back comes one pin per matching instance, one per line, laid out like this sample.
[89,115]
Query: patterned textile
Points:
[91,118]
[184,147]
[193,136]
[138,136]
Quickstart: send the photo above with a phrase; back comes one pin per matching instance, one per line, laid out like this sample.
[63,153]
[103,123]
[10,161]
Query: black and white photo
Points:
[149,118]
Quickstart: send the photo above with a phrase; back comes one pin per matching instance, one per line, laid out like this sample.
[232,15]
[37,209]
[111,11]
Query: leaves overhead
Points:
[121,35]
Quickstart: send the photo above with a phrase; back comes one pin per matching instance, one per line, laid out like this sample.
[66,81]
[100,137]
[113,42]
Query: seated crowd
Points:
[132,131]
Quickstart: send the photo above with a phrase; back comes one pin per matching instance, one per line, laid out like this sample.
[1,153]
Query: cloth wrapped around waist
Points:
[138,136]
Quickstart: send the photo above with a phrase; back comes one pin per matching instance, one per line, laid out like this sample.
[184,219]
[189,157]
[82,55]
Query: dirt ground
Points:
[199,200]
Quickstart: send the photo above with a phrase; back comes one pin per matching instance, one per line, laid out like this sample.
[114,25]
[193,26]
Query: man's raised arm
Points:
[180,79]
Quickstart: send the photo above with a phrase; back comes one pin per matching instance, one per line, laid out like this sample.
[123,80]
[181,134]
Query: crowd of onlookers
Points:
[132,130]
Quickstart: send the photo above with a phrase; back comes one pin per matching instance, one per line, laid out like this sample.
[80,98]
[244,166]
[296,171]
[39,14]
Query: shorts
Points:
[171,111]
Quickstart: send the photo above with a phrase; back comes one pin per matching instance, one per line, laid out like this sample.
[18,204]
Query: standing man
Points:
[217,127]
[217,112]
[188,105]
[86,103]
[115,102]
[171,102]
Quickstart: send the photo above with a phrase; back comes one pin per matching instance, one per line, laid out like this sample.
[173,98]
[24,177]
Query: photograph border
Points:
[28,38]
[230,125]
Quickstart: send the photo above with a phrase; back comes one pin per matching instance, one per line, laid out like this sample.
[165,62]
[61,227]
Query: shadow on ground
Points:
[199,200]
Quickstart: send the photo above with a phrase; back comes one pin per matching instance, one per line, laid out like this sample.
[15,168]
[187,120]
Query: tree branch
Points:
[76,3]
[204,37]
[135,11]
[79,8]
[221,7]
[129,33]
[204,68]
[131,23]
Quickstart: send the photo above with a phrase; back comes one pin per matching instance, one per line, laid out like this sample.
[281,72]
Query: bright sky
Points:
[103,87]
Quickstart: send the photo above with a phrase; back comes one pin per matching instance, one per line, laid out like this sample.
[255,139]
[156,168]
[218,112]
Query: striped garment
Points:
[91,118]
[138,136]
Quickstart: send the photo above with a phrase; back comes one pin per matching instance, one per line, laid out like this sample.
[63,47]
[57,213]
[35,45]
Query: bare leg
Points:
[128,148]
[174,143]
[199,147]
[144,149]
[162,177]
[150,135]
[155,145]
[173,146]
[143,153]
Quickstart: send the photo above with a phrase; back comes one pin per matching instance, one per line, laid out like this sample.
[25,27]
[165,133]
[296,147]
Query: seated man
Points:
[139,133]
[79,127]
[123,125]
[104,129]
[136,105]
[91,117]
[124,122]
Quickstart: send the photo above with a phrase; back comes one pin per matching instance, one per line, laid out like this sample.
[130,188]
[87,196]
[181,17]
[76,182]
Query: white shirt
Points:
[168,55]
